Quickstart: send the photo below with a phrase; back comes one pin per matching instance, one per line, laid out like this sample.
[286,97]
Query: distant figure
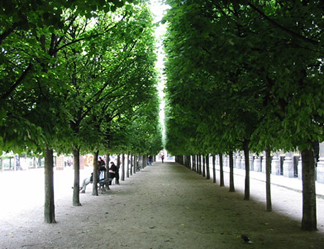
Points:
[17,162]
[162,158]
[150,159]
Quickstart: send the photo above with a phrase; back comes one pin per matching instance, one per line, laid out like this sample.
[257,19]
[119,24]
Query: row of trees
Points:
[246,75]
[77,77]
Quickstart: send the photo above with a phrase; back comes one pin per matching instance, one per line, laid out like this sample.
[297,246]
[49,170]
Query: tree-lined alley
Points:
[77,76]
[246,75]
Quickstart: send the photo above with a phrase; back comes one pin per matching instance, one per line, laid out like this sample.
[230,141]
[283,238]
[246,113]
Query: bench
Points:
[103,184]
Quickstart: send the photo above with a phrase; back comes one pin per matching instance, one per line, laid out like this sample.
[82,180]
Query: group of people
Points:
[112,173]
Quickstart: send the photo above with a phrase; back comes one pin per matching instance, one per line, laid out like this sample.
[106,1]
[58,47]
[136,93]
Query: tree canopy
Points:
[245,71]
[72,70]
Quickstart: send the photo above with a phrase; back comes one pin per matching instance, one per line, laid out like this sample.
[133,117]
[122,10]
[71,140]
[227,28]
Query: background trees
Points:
[73,74]
[252,74]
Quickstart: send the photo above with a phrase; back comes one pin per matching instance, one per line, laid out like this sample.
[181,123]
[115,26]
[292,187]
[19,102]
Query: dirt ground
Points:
[164,206]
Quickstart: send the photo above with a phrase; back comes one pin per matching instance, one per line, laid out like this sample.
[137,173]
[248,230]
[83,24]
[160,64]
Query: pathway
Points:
[163,206]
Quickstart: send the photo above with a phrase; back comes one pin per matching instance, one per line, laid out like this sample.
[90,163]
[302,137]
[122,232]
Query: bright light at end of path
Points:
[158,9]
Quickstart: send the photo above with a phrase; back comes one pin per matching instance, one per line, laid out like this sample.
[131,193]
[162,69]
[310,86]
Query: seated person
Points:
[85,182]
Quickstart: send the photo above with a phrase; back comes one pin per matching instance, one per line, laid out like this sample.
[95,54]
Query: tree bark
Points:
[214,168]
[132,160]
[123,167]
[135,164]
[76,184]
[95,173]
[127,165]
[247,170]
[49,207]
[309,220]
[231,189]
[207,167]
[221,170]
[203,166]
[193,163]
[268,179]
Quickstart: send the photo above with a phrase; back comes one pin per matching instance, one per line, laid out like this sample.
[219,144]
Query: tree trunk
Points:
[268,179]
[309,220]
[231,189]
[76,184]
[107,160]
[135,164]
[193,163]
[203,166]
[221,170]
[214,168]
[132,159]
[107,165]
[199,164]
[49,207]
[127,165]
[247,170]
[207,167]
[95,173]
[123,168]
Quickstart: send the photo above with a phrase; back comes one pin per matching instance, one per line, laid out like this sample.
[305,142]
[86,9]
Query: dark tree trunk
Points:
[49,207]
[76,184]
[231,189]
[203,166]
[207,167]
[268,179]
[193,163]
[107,165]
[309,220]
[95,173]
[123,168]
[221,170]
[247,170]
[214,169]
[135,164]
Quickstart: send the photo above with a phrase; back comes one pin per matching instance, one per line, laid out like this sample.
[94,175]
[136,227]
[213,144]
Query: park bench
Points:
[103,184]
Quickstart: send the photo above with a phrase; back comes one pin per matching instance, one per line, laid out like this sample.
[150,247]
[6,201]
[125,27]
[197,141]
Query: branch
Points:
[15,85]
[305,39]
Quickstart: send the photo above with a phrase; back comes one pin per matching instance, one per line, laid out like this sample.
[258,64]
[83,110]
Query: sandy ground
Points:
[163,206]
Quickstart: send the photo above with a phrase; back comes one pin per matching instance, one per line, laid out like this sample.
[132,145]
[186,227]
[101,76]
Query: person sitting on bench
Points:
[85,182]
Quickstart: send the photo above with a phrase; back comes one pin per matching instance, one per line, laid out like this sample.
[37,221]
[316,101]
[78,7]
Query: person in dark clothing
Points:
[150,160]
[113,171]
[101,163]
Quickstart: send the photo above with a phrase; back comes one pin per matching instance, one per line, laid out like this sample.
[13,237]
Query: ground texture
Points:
[163,206]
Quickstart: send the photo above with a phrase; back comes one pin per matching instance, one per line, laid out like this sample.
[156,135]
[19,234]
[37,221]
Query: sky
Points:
[158,8]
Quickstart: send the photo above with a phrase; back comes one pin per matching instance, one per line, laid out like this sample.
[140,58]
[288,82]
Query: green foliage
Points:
[72,73]
[243,71]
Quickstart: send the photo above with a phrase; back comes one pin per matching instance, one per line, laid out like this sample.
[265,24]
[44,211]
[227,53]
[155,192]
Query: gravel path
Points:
[163,206]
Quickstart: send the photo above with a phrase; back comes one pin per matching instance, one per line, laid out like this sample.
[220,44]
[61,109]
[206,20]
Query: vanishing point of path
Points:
[163,206]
